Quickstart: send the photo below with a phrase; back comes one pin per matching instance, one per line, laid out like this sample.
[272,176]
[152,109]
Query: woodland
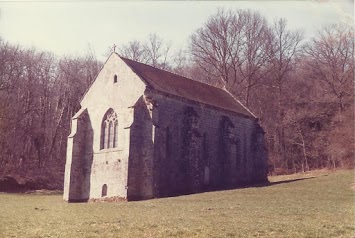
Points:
[301,89]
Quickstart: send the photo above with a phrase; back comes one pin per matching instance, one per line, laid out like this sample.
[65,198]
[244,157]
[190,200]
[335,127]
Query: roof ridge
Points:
[124,58]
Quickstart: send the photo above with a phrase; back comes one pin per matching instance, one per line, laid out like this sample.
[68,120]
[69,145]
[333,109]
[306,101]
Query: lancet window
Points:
[109,130]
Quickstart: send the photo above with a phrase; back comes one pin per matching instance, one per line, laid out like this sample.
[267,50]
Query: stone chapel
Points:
[144,133]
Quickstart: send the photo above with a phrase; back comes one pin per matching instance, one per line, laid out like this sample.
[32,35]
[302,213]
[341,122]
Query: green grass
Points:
[321,205]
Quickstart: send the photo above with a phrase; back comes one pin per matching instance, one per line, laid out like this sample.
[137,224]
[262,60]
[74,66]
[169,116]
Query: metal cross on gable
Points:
[114,47]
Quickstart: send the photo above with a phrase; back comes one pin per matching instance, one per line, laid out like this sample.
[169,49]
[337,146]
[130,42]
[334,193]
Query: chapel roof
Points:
[187,88]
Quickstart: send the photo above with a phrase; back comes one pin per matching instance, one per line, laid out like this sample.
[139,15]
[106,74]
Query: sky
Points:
[72,27]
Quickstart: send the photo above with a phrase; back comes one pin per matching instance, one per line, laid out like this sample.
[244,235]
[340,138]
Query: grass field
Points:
[318,204]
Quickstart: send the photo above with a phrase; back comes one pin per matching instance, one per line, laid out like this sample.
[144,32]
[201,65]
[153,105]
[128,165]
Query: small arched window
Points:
[109,130]
[115,79]
[104,191]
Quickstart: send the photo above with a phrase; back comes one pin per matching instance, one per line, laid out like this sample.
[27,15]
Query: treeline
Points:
[301,90]
[39,93]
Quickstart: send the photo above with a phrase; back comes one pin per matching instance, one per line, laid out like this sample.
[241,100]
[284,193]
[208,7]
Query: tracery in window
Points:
[109,130]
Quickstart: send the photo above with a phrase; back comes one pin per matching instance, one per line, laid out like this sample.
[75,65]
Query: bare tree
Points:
[154,51]
[181,63]
[9,65]
[216,47]
[283,50]
[134,50]
[231,47]
[285,47]
[257,35]
[157,51]
[331,60]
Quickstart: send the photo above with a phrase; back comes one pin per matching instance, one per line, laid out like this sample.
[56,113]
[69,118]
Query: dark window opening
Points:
[205,147]
[115,135]
[115,79]
[104,191]
[167,143]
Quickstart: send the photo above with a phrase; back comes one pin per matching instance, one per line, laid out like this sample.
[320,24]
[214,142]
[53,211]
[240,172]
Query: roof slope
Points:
[177,85]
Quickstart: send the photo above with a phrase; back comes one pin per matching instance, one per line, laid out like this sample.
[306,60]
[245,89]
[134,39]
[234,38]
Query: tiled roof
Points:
[181,86]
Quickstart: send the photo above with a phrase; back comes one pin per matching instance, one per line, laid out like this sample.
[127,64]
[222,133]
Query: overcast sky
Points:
[69,28]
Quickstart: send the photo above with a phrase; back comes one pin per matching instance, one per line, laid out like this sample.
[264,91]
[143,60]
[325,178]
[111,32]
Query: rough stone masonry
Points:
[143,133]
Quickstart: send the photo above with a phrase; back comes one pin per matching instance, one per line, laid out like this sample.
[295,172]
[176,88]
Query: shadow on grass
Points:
[258,185]
[240,186]
[280,182]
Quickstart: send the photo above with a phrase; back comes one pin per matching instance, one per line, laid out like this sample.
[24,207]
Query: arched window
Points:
[104,191]
[115,134]
[110,134]
[109,130]
[115,79]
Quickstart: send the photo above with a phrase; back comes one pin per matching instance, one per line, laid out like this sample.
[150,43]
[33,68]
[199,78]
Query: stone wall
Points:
[77,168]
[141,153]
[199,148]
